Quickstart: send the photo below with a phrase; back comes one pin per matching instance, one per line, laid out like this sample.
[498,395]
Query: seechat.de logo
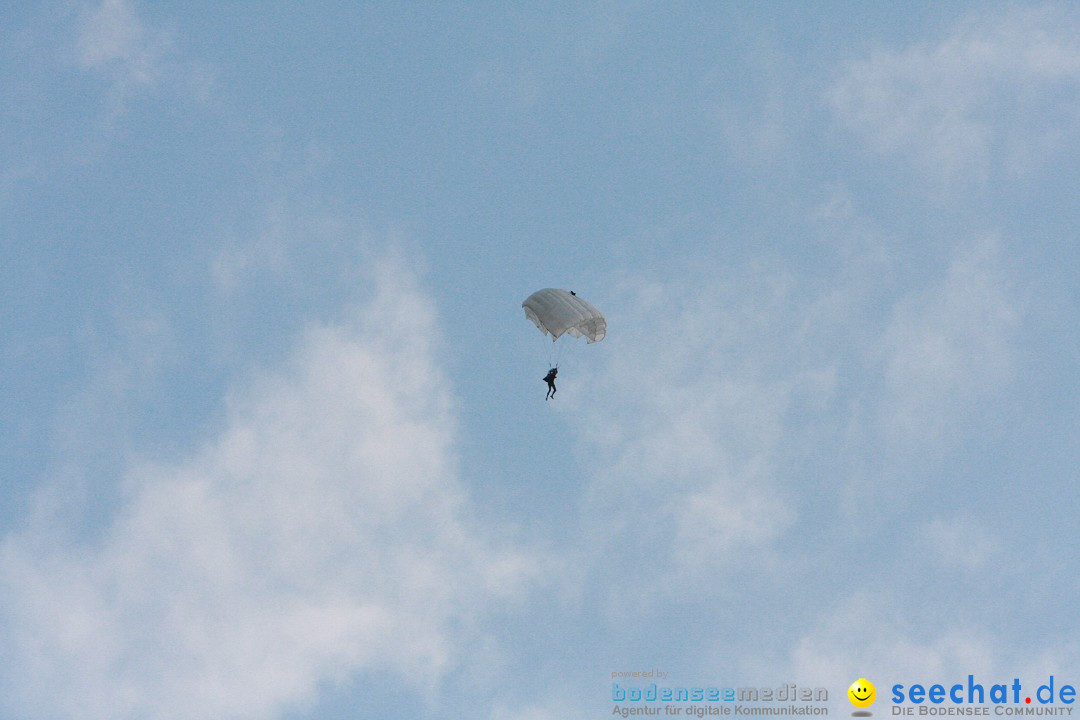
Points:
[862,695]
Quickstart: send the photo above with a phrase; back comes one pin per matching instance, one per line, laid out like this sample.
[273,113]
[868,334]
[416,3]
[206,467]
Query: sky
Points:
[272,428]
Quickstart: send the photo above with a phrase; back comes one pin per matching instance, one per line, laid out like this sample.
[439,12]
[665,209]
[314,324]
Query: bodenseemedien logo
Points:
[862,694]
[701,701]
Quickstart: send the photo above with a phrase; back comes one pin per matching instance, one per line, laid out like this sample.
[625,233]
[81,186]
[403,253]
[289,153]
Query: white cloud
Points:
[960,543]
[684,437]
[993,88]
[755,125]
[128,56]
[886,632]
[722,395]
[924,373]
[867,634]
[948,347]
[324,532]
[529,712]
[111,38]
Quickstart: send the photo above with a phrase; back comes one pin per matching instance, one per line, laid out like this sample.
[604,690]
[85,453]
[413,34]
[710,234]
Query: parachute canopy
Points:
[561,311]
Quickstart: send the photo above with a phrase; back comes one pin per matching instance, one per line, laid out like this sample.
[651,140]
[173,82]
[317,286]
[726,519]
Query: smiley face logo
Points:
[862,693]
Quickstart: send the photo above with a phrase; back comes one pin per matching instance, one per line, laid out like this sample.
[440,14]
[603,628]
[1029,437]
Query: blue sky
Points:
[273,430]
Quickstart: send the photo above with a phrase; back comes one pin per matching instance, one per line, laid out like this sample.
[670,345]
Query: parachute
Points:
[557,312]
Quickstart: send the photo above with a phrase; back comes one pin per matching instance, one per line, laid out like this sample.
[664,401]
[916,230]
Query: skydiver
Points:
[550,380]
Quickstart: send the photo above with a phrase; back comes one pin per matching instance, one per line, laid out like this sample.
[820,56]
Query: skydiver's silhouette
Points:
[550,380]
